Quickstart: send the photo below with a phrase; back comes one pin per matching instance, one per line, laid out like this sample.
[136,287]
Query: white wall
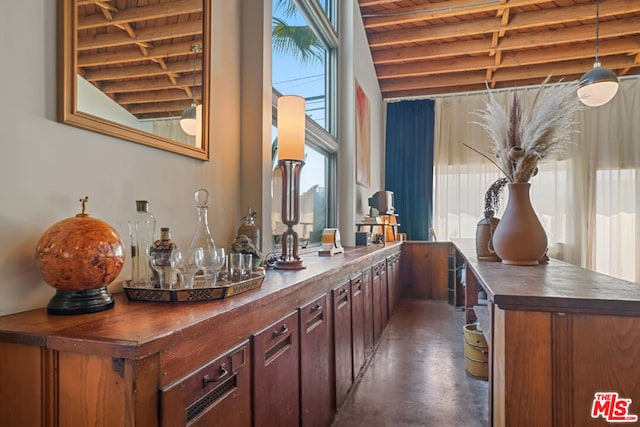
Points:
[46,166]
[364,73]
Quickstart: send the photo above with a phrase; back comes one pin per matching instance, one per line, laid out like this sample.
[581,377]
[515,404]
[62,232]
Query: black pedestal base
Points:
[80,302]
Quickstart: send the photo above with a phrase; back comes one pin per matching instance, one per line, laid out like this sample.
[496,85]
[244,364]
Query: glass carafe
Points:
[142,228]
[202,237]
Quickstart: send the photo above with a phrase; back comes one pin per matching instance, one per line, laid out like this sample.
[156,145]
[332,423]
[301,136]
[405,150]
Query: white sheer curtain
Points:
[588,201]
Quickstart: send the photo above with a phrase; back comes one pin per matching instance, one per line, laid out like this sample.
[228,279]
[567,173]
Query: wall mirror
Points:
[133,69]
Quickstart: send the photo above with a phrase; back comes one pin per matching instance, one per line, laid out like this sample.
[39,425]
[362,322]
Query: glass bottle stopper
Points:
[201,197]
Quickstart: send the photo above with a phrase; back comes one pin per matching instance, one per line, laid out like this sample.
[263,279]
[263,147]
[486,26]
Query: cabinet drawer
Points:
[213,392]
[276,374]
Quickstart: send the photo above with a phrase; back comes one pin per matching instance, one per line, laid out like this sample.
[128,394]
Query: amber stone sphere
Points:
[80,253]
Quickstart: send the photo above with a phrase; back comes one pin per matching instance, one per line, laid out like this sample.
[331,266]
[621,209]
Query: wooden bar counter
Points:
[150,364]
[558,334]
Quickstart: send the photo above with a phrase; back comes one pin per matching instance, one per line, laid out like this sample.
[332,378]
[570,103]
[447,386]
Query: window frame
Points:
[322,139]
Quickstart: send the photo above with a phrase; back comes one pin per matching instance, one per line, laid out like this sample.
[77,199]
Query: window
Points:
[303,57]
[304,45]
[616,207]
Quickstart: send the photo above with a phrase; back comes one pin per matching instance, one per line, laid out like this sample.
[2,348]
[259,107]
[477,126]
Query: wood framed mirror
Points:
[130,69]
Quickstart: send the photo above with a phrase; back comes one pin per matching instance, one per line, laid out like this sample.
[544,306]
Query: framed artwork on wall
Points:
[363,136]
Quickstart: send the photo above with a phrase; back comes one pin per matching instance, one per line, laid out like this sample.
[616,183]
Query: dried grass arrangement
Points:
[492,197]
[521,138]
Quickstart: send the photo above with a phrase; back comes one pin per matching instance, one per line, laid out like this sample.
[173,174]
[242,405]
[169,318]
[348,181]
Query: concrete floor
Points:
[416,376]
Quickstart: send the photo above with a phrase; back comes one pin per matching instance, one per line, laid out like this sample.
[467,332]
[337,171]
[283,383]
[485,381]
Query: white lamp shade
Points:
[188,121]
[597,87]
[291,122]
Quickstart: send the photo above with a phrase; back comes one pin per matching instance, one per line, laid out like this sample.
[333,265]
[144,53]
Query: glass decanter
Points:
[202,237]
[142,228]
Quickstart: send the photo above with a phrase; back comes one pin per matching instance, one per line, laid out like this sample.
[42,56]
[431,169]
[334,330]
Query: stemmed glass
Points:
[221,261]
[187,263]
[164,263]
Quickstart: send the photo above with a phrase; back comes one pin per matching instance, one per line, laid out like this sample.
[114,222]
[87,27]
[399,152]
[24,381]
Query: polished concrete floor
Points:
[416,376]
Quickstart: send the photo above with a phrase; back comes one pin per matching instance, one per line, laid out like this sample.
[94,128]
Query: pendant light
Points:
[599,85]
[188,120]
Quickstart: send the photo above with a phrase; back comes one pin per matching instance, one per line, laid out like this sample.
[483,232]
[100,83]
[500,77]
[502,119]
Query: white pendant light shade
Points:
[188,121]
[598,86]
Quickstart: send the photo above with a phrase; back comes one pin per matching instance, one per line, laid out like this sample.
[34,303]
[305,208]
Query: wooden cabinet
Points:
[393,281]
[342,341]
[276,374]
[557,335]
[196,363]
[316,394]
[384,295]
[219,393]
[357,323]
[376,292]
[367,310]
[425,269]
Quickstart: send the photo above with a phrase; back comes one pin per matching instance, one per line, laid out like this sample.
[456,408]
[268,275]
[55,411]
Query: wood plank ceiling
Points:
[140,53]
[423,47]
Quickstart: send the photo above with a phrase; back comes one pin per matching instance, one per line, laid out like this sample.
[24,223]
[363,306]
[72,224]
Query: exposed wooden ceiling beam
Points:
[133,54]
[176,107]
[160,10]
[540,71]
[140,71]
[111,87]
[442,10]
[508,59]
[156,96]
[112,39]
[481,26]
[620,28]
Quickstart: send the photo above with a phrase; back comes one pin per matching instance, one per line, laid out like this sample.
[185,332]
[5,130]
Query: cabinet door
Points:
[367,298]
[357,323]
[342,341]
[276,374]
[384,295]
[316,397]
[392,282]
[219,393]
[377,315]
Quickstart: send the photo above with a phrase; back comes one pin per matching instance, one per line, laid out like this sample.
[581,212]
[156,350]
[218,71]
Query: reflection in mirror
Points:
[133,68]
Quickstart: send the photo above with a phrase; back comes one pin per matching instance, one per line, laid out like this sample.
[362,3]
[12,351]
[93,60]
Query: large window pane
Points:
[299,60]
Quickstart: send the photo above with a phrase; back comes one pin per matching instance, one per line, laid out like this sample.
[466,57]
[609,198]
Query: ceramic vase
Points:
[519,238]
[484,239]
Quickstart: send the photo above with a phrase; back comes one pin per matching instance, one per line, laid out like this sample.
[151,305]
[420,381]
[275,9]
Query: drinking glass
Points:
[247,264]
[221,263]
[186,264]
[164,263]
[235,266]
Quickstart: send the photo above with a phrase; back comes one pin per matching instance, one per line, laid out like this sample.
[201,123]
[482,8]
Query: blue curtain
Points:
[409,165]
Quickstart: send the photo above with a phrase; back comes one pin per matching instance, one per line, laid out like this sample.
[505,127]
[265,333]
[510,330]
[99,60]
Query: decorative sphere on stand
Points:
[80,256]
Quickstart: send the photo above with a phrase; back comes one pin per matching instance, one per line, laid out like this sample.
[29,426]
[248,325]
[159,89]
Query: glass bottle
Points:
[250,229]
[164,275]
[142,227]
[202,237]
